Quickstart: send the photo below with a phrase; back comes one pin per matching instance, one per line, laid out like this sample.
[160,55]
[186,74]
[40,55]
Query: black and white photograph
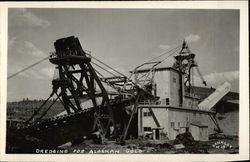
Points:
[123,81]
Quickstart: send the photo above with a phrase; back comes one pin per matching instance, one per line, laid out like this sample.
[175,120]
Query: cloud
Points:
[23,17]
[19,49]
[164,47]
[21,54]
[32,73]
[11,41]
[224,76]
[192,38]
[37,73]
[32,50]
[216,79]
[48,71]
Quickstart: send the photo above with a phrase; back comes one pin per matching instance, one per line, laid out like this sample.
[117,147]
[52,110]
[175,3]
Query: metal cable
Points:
[168,56]
[105,80]
[45,112]
[106,65]
[30,66]
[103,68]
[37,110]
[164,53]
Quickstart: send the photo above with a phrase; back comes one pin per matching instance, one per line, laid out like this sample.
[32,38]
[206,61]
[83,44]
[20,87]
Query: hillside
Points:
[22,110]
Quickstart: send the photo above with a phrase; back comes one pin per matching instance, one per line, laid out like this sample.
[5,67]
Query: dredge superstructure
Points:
[91,108]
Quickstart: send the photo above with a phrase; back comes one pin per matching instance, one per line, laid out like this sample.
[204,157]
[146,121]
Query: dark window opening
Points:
[172,124]
[147,129]
[167,101]
[147,113]
[174,80]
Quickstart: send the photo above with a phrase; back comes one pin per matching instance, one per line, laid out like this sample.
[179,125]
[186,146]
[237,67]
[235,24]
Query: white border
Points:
[244,81]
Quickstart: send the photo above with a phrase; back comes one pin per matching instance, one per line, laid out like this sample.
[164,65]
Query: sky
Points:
[123,39]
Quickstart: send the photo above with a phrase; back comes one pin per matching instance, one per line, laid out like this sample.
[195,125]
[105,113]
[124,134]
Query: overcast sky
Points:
[122,38]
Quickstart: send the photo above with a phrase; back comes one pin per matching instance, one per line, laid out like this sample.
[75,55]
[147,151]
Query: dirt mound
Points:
[190,145]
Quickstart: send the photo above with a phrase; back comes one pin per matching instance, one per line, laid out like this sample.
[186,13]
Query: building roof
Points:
[175,108]
[156,69]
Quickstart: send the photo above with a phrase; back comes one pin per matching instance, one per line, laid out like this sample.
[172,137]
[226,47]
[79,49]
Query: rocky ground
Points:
[218,144]
[225,145]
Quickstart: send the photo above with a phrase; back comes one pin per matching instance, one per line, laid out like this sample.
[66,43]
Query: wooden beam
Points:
[154,117]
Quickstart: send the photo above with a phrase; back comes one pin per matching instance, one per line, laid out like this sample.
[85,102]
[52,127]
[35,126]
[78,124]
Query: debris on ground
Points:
[179,146]
[66,145]
[220,136]
[190,145]
[184,144]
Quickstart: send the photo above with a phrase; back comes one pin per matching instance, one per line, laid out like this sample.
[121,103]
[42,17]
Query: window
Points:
[167,101]
[172,124]
[147,129]
[179,124]
[147,113]
[174,80]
